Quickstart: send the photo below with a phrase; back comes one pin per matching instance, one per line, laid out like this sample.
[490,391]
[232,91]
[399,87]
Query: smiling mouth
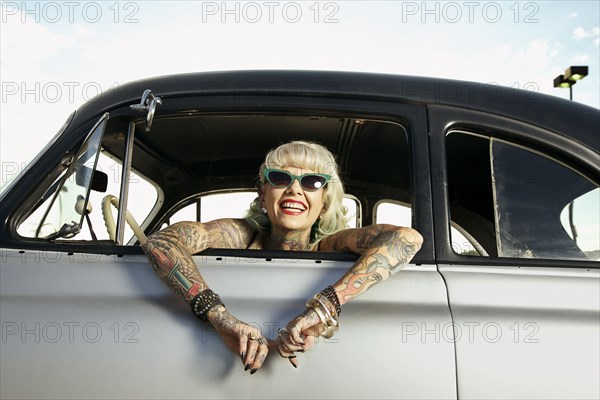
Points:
[292,207]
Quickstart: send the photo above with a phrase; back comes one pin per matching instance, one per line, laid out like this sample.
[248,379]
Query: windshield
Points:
[64,216]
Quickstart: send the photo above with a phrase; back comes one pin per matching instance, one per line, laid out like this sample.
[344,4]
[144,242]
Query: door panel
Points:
[81,324]
[523,283]
[525,332]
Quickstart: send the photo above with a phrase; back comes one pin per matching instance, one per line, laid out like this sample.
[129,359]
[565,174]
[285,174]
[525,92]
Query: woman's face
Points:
[293,208]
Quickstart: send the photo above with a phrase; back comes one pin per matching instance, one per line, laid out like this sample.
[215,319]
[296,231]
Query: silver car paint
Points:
[526,332]
[78,326]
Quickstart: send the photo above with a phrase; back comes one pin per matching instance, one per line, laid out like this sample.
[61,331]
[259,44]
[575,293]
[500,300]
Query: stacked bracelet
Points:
[331,295]
[203,302]
[327,306]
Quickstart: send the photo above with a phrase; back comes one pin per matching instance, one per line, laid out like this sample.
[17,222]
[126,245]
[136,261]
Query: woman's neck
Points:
[280,239]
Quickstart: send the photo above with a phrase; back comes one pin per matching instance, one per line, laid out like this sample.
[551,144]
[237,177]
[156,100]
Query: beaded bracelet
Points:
[331,295]
[203,302]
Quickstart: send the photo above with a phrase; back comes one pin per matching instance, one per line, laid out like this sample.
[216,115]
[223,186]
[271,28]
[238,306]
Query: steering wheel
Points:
[109,221]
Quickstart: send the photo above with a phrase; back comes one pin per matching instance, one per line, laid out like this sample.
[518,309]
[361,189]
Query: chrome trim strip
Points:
[125,184]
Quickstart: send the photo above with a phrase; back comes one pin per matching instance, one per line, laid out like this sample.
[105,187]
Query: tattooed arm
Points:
[384,250]
[170,253]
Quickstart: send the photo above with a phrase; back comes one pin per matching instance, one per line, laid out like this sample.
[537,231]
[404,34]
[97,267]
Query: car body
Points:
[502,300]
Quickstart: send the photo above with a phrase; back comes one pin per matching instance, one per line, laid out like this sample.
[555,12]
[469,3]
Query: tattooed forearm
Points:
[170,251]
[369,270]
[385,250]
[400,248]
[223,321]
[175,268]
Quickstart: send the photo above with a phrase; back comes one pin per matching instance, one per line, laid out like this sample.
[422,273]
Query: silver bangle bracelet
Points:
[330,322]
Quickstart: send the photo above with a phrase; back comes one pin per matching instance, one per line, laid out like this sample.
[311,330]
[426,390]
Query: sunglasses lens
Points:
[313,182]
[279,179]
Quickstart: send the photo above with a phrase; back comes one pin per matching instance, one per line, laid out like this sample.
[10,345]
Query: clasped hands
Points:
[246,340]
[299,335]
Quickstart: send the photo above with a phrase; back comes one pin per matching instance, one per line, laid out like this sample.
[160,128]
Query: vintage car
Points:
[502,301]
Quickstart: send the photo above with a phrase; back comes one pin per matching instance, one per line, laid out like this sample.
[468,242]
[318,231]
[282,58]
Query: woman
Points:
[299,207]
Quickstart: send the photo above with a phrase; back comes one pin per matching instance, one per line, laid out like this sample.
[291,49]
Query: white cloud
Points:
[579,59]
[528,62]
[81,31]
[581,33]
[35,44]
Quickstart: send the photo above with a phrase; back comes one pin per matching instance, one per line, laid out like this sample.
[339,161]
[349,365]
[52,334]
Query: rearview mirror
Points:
[99,181]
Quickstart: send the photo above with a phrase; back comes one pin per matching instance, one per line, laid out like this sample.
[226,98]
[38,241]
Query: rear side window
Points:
[215,206]
[234,205]
[393,212]
[511,201]
[400,214]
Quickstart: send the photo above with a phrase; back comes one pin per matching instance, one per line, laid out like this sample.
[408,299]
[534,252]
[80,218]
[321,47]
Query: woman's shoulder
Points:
[236,231]
[216,225]
[237,223]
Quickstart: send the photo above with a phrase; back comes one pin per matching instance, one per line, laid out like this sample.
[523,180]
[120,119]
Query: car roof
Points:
[565,117]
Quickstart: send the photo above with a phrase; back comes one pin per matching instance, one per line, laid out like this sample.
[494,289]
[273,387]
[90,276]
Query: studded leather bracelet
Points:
[203,302]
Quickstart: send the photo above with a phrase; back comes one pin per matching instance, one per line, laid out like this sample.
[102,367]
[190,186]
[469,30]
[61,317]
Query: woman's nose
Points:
[295,187]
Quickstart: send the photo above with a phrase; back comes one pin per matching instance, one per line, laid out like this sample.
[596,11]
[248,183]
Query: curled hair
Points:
[314,157]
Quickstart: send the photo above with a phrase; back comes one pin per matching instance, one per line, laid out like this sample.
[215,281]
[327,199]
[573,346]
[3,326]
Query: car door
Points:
[522,275]
[88,317]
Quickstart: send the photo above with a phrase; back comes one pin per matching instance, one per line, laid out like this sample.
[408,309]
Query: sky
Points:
[54,56]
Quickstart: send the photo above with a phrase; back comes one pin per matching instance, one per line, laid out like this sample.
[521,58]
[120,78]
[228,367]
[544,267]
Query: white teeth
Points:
[296,206]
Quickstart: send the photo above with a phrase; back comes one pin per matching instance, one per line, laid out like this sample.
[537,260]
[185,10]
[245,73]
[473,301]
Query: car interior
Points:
[184,158]
[187,157]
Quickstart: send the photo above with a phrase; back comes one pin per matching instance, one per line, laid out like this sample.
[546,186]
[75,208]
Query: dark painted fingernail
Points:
[301,350]
[253,371]
[243,356]
[247,367]
[292,357]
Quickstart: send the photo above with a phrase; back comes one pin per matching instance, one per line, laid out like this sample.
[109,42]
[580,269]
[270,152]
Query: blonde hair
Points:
[314,157]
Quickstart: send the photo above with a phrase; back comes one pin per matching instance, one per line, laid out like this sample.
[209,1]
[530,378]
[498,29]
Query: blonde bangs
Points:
[303,155]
